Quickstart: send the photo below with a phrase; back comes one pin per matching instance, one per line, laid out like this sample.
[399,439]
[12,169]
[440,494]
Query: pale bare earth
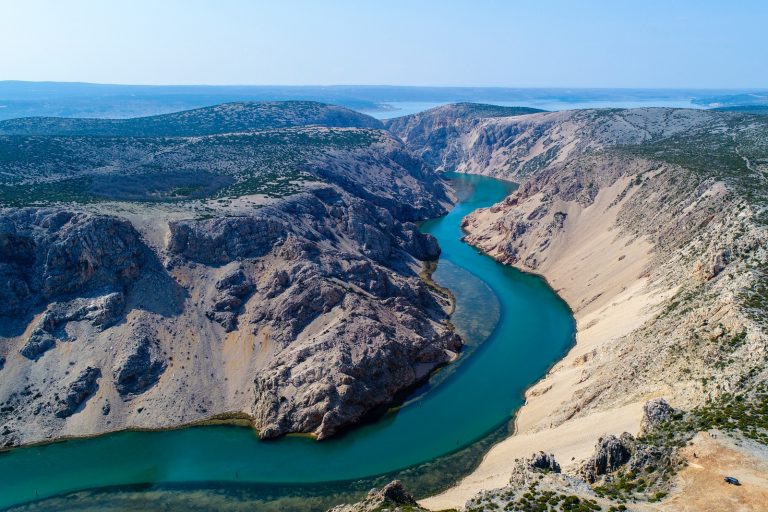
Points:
[701,487]
[570,442]
[602,283]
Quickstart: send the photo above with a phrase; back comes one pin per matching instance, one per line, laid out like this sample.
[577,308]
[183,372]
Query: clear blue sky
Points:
[557,43]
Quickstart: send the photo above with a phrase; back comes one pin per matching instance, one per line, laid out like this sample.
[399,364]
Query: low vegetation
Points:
[534,499]
[46,170]
[745,414]
[734,150]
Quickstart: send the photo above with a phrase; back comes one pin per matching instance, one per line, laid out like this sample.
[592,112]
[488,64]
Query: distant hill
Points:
[745,109]
[732,99]
[114,101]
[227,150]
[226,118]
[467,110]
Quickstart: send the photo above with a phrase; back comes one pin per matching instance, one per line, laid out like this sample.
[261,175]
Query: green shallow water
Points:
[515,328]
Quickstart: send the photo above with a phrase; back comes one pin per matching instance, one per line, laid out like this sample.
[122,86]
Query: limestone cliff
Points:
[237,261]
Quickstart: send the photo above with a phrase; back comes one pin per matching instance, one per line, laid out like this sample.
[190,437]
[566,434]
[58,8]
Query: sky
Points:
[544,43]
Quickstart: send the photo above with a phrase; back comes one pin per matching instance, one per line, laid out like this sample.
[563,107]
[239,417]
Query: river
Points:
[515,328]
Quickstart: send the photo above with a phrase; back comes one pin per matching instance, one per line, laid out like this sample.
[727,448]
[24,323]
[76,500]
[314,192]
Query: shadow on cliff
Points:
[155,291]
[152,290]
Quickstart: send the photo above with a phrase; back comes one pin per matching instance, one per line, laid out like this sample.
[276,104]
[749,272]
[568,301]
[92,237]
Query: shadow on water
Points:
[515,328]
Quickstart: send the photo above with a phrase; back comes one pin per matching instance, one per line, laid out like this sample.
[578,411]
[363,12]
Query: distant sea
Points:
[69,99]
[404,108]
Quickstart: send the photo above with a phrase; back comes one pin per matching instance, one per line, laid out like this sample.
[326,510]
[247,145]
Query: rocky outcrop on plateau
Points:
[544,462]
[655,413]
[611,453]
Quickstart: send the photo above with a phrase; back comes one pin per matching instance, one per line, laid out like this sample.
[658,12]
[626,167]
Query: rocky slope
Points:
[392,497]
[651,223]
[445,135]
[272,274]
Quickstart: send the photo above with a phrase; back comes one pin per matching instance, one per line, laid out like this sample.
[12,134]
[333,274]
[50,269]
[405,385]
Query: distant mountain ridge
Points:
[225,118]
[231,150]
[71,99]
[745,109]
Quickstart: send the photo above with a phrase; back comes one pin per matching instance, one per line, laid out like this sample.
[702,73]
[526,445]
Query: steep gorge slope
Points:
[651,223]
[440,135]
[154,277]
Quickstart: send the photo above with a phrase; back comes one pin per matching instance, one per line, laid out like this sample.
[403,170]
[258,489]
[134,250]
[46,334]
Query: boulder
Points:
[392,497]
[38,343]
[545,462]
[655,412]
[611,453]
[78,392]
[141,369]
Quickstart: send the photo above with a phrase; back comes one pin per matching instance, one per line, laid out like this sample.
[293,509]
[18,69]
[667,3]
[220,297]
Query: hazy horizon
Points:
[554,44]
[393,85]
[78,99]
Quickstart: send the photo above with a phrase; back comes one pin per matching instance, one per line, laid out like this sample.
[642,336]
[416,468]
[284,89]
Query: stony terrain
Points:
[247,261]
[651,223]
[444,137]
[392,497]
[260,262]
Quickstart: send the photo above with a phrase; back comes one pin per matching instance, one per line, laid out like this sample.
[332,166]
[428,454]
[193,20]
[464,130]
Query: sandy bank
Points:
[600,273]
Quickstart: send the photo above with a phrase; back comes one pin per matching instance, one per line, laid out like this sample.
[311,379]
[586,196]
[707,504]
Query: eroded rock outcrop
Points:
[45,254]
[141,368]
[38,343]
[78,392]
[100,311]
[217,241]
[656,412]
[533,480]
[392,496]
[233,289]
[544,462]
[611,453]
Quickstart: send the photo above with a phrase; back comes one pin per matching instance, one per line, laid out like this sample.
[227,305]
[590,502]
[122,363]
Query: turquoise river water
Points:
[515,328]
